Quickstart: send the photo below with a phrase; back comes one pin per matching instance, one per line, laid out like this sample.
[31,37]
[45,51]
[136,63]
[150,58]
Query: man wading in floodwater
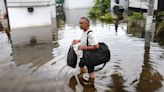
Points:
[92,44]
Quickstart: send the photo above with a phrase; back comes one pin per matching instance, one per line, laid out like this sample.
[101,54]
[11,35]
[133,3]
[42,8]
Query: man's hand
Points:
[75,41]
[1,17]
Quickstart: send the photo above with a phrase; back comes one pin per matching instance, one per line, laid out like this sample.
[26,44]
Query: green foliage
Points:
[159,24]
[136,23]
[100,10]
[94,12]
[160,28]
[161,13]
[102,4]
[106,18]
[159,17]
[136,17]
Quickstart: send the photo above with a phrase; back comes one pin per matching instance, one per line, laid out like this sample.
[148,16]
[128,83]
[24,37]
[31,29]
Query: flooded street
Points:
[42,67]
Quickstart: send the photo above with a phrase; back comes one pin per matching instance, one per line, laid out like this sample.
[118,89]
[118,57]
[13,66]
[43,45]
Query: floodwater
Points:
[42,67]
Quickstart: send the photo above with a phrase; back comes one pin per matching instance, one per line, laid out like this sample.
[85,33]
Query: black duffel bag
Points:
[71,57]
[97,56]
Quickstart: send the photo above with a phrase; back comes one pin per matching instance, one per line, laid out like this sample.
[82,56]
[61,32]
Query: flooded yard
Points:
[42,67]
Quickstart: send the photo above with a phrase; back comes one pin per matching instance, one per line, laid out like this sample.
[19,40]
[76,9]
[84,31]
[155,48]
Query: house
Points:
[31,19]
[141,5]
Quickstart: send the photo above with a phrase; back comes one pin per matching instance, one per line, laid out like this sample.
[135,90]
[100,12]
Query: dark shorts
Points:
[89,67]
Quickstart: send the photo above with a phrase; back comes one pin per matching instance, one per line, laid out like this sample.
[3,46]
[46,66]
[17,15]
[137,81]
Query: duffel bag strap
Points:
[87,37]
[100,68]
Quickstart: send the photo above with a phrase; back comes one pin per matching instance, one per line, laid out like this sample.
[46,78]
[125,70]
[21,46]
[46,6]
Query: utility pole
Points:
[149,23]
[8,22]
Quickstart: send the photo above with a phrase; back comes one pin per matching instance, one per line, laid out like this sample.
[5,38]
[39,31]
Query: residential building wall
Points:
[74,4]
[142,4]
[20,17]
[26,25]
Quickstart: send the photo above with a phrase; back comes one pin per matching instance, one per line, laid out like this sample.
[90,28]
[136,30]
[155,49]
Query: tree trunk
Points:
[149,22]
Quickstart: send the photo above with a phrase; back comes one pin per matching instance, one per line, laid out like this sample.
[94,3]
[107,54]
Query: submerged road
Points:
[42,68]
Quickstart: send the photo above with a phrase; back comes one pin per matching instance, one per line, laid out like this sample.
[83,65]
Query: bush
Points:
[136,24]
[136,16]
[101,11]
[94,12]
[107,18]
[160,28]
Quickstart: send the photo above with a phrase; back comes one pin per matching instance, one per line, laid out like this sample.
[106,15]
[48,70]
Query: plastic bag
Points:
[71,57]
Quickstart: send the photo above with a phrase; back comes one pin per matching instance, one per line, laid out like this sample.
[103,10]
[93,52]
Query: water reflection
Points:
[73,83]
[117,83]
[86,87]
[42,34]
[150,79]
[60,17]
[36,55]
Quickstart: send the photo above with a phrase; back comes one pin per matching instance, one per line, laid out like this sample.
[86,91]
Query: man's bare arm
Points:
[88,47]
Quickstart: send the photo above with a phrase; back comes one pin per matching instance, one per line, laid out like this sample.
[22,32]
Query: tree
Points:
[149,22]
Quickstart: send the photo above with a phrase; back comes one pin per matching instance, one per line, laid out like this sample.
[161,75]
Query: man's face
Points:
[83,24]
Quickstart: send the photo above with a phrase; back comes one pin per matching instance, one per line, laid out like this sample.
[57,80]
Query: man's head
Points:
[84,23]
